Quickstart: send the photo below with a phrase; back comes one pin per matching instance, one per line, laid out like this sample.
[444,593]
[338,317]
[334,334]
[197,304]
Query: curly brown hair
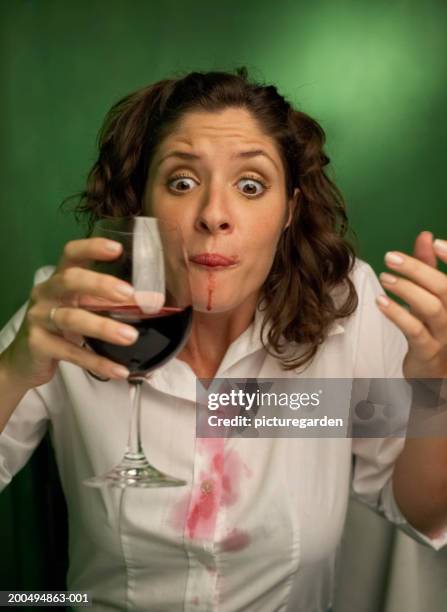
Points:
[313,257]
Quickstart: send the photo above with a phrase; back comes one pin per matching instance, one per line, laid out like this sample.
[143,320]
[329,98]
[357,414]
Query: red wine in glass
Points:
[153,260]
[161,335]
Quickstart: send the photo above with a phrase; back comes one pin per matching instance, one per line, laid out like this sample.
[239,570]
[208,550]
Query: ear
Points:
[291,206]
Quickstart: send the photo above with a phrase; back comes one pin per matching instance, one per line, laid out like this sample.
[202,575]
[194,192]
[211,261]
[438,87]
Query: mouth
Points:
[214,261]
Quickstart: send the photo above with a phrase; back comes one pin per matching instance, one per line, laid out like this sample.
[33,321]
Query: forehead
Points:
[230,128]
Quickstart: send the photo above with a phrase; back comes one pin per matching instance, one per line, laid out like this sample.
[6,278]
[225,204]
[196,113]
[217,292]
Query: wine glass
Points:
[154,262]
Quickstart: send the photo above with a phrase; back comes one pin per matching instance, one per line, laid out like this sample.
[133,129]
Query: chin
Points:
[217,304]
[213,308]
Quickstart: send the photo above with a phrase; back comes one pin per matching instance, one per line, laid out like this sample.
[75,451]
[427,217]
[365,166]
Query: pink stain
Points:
[231,479]
[235,541]
[195,601]
[218,485]
[210,446]
[202,516]
[218,463]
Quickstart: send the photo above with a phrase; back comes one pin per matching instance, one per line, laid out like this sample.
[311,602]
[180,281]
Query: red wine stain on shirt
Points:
[235,541]
[210,446]
[231,479]
[219,483]
[195,601]
[202,516]
[218,463]
[200,520]
[211,287]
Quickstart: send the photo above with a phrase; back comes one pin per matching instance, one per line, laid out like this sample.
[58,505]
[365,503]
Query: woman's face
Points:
[222,181]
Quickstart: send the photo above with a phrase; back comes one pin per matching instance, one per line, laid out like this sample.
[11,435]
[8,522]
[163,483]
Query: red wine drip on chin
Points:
[211,287]
[161,336]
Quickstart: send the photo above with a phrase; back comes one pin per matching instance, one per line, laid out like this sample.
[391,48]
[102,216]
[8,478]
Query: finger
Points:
[62,350]
[80,252]
[74,281]
[74,338]
[440,247]
[87,324]
[419,272]
[423,249]
[424,304]
[420,340]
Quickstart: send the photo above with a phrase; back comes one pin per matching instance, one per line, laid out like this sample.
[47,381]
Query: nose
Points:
[214,216]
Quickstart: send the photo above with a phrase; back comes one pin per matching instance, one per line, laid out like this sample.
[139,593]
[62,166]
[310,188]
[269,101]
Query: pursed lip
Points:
[214,260]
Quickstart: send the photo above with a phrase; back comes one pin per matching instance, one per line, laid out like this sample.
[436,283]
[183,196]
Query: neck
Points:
[212,334]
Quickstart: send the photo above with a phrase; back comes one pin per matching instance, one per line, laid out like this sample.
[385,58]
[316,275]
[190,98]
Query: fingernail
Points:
[125,290]
[113,247]
[394,258]
[120,371]
[382,300]
[440,245]
[388,278]
[129,333]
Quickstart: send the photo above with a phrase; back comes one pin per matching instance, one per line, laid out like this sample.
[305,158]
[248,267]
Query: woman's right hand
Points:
[41,342]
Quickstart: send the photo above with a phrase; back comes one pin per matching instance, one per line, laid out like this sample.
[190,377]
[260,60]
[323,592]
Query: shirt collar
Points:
[250,340]
[244,345]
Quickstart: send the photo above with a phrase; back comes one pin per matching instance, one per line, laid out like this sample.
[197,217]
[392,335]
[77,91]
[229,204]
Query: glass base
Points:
[136,473]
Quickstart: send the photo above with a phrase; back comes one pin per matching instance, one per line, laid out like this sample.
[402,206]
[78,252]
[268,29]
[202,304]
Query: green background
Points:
[372,73]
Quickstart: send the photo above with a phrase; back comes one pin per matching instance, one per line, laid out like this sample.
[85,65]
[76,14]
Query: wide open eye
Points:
[251,187]
[181,183]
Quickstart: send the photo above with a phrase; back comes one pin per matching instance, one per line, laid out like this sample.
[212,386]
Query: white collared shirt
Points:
[258,525]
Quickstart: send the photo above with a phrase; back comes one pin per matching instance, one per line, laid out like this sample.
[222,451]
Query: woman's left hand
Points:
[424,289]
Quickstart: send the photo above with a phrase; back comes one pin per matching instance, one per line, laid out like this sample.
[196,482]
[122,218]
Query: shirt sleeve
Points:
[29,421]
[381,349]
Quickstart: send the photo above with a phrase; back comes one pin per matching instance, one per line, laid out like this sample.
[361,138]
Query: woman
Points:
[258,525]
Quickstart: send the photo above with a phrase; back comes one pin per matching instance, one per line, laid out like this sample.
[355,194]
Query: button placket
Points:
[200,530]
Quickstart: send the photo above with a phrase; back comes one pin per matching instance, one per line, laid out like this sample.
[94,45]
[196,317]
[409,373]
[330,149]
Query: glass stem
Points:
[134,451]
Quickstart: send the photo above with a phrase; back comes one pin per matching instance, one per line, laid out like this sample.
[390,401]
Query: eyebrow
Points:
[241,155]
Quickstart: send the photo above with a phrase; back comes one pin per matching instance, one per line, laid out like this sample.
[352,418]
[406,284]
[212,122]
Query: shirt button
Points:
[207,486]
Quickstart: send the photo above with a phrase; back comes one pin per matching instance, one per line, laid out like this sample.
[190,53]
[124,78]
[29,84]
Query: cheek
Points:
[266,231]
[267,219]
